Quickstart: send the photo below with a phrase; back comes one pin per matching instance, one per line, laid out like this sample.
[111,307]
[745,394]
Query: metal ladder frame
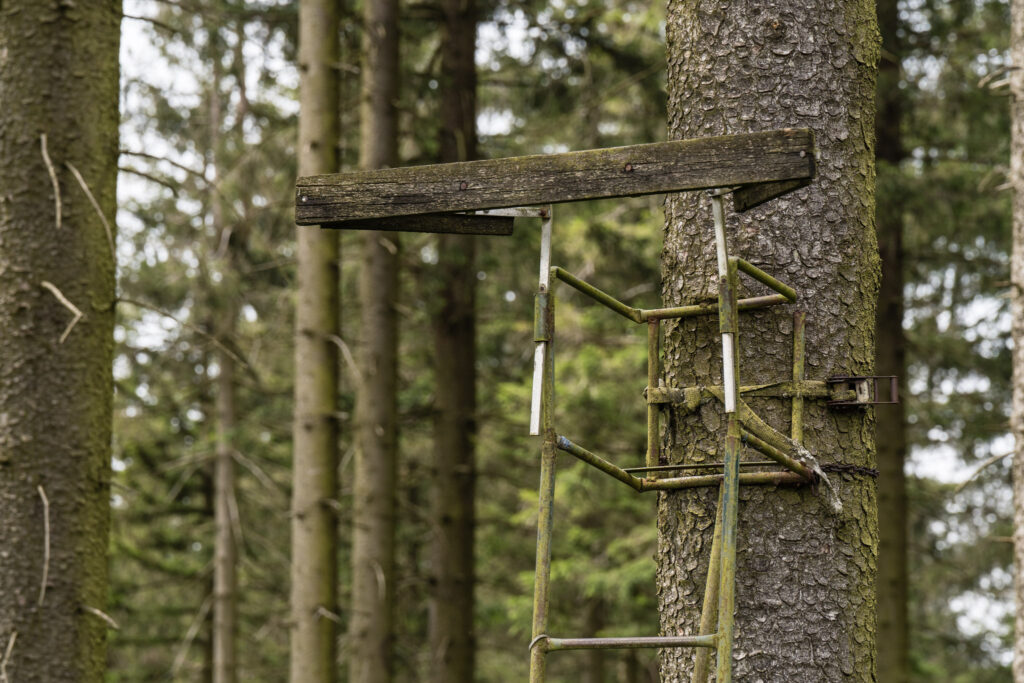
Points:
[743,426]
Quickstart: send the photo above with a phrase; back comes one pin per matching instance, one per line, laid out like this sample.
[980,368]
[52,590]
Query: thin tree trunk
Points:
[225,553]
[58,79]
[371,628]
[593,622]
[1017,277]
[893,665]
[452,643]
[315,433]
[805,574]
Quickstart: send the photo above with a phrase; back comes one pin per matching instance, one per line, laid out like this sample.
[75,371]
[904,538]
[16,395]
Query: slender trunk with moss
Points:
[1017,279]
[225,549]
[805,595]
[59,89]
[452,644]
[314,432]
[371,626]
[893,666]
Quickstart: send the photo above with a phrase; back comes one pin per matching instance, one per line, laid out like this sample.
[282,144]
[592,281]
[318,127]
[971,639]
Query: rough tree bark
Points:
[58,79]
[371,626]
[452,643]
[315,432]
[893,665]
[1017,279]
[805,575]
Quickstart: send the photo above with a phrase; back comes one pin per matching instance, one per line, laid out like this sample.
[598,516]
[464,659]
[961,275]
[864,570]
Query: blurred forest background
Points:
[208,142]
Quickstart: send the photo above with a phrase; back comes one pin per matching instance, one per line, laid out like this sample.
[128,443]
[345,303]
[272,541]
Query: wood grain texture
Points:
[459,224]
[703,163]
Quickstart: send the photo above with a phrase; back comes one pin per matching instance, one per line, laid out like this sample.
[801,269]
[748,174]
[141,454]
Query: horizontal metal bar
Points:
[746,479]
[600,463]
[766,279]
[778,456]
[709,307]
[693,395]
[596,294]
[553,644]
[698,466]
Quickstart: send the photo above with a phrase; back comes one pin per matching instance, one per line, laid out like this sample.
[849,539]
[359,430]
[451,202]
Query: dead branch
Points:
[46,544]
[988,461]
[167,314]
[52,288]
[190,635]
[53,178]
[95,204]
[7,657]
[102,615]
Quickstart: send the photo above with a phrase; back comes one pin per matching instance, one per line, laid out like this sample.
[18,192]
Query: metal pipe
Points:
[766,279]
[629,643]
[699,481]
[653,410]
[728,321]
[709,608]
[540,351]
[698,466]
[799,335]
[778,456]
[600,463]
[597,295]
[542,580]
[545,515]
[708,307]
[753,423]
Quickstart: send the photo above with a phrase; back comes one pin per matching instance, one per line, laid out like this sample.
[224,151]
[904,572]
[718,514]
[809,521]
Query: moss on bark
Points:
[805,577]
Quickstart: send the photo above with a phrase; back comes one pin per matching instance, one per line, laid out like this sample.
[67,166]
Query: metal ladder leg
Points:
[728,324]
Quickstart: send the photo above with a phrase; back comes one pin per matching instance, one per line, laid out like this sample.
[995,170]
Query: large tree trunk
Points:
[371,627]
[59,79]
[805,575]
[315,433]
[452,643]
[893,666]
[1017,278]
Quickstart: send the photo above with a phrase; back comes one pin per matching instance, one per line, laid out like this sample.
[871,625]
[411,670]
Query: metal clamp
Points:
[864,388]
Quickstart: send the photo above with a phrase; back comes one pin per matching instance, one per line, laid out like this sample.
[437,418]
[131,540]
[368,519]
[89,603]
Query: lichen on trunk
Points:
[805,575]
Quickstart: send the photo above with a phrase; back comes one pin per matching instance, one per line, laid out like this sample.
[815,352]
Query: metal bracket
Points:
[865,390]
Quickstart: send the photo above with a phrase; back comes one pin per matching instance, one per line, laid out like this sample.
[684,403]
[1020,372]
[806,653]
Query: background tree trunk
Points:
[805,575]
[890,359]
[58,78]
[315,433]
[371,627]
[452,643]
[1017,277]
[225,554]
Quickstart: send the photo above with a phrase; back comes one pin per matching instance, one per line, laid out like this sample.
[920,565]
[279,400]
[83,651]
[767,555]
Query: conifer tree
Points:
[315,433]
[371,625]
[805,596]
[58,171]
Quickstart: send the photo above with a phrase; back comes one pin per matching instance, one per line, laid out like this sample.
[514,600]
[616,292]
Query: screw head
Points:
[628,168]
[463,185]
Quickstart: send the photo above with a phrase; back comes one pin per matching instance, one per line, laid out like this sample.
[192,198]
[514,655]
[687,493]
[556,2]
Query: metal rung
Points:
[551,644]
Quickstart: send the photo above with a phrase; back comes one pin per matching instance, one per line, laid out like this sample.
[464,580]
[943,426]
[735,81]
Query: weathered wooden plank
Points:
[461,224]
[754,195]
[701,163]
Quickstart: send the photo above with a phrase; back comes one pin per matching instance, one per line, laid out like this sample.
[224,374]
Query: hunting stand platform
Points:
[478,197]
